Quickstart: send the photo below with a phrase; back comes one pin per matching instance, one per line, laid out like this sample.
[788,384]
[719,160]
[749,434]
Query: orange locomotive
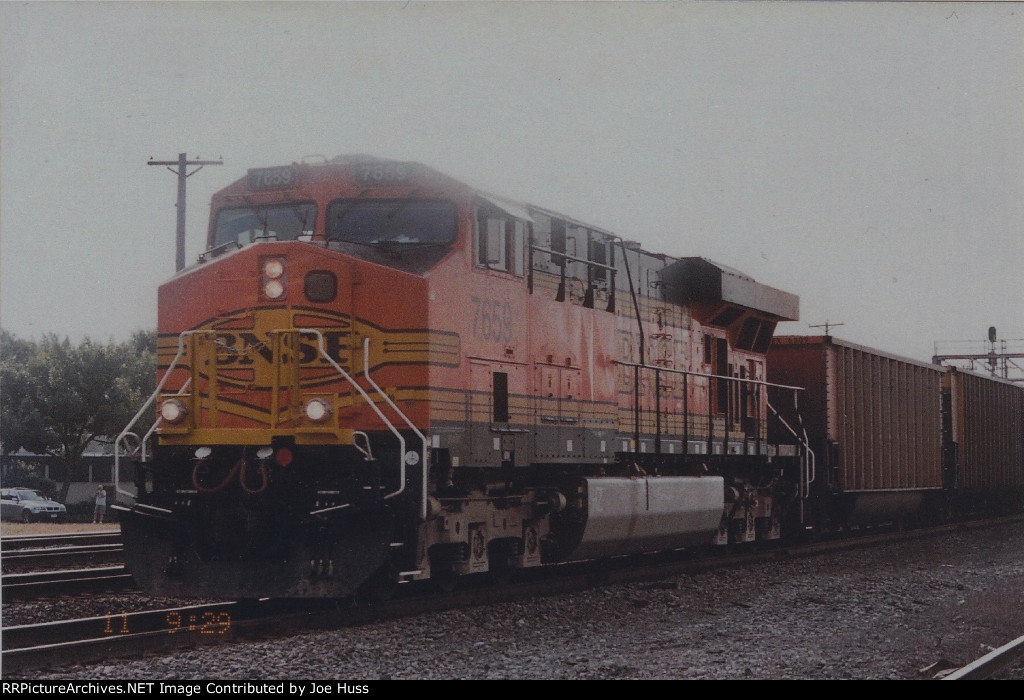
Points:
[376,373]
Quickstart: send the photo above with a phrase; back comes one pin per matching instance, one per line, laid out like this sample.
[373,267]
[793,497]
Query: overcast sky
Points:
[866,157]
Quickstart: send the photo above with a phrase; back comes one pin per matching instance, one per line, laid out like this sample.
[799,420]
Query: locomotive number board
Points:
[384,173]
[273,178]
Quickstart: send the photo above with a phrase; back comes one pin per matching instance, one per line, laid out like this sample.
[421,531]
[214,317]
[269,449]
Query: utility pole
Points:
[826,325]
[182,172]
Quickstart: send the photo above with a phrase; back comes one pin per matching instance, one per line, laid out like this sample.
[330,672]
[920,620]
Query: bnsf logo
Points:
[245,358]
[246,349]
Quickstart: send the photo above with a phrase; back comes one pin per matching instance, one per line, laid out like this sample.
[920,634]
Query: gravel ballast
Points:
[885,612]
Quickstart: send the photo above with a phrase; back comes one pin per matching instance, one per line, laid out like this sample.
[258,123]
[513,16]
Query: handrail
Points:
[391,426]
[138,415]
[159,419]
[672,370]
[808,465]
[573,258]
[420,435]
[323,352]
[637,366]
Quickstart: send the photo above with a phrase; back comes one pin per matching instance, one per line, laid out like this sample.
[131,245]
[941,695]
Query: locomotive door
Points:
[560,430]
[498,432]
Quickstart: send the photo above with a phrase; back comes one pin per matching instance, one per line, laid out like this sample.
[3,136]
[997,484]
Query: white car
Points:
[28,505]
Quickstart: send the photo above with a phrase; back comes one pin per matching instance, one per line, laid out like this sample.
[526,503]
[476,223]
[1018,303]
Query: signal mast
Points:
[1001,358]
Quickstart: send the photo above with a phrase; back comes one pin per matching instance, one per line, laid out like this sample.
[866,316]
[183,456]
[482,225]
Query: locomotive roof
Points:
[689,279]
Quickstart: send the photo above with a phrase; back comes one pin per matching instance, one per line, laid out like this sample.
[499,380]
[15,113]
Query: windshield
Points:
[391,220]
[282,222]
[26,495]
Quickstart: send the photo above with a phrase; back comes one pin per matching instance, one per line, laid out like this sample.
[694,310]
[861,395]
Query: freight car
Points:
[983,421]
[900,440]
[875,427]
[376,373]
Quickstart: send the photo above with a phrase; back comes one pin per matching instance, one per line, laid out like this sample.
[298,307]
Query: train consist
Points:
[376,373]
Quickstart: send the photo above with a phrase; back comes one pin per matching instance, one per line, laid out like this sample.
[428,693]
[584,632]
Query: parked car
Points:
[28,505]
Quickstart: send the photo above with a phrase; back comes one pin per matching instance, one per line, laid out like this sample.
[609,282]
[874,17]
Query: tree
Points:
[59,397]
[21,424]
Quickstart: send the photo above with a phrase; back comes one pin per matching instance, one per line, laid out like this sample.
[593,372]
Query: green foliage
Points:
[29,476]
[57,397]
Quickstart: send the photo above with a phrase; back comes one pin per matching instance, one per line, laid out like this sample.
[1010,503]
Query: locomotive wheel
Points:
[382,586]
[445,580]
[501,574]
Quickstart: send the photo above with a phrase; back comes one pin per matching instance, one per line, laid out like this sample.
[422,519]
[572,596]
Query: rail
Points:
[37,584]
[990,663]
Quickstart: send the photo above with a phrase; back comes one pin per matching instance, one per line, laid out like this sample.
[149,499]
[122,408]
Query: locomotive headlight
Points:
[173,411]
[273,268]
[275,277]
[273,289]
[317,410]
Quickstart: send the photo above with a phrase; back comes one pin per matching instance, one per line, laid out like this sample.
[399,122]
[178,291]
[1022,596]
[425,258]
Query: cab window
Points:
[280,222]
[500,241]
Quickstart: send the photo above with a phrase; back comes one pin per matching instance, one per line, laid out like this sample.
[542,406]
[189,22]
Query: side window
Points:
[500,242]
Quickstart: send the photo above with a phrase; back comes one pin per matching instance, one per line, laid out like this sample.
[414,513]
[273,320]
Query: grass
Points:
[17,529]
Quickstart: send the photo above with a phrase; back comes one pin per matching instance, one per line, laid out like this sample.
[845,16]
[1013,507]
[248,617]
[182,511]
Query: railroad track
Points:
[14,543]
[124,634]
[36,558]
[37,566]
[989,664]
[62,582]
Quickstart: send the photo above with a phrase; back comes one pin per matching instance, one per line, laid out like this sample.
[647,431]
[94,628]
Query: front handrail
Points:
[135,419]
[419,434]
[366,397]
[321,347]
[159,419]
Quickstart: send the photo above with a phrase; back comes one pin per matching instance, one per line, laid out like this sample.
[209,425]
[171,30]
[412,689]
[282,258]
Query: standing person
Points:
[101,504]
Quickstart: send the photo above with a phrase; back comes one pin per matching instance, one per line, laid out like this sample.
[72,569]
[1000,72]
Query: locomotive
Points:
[376,373]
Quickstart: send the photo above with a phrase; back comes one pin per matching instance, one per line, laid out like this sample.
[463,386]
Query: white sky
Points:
[867,157]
